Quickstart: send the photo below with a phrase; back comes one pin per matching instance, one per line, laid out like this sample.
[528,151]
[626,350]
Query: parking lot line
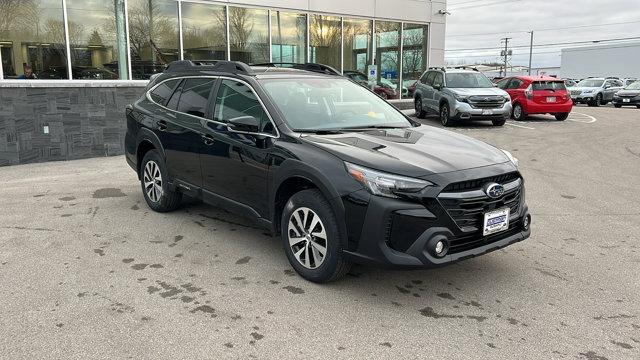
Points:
[520,126]
[591,118]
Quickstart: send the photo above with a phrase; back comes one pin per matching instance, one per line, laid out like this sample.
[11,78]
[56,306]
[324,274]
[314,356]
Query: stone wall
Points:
[40,122]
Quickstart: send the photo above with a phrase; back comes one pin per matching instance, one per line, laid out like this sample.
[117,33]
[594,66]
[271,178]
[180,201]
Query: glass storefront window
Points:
[153,36]
[288,37]
[97,39]
[32,39]
[204,32]
[325,37]
[387,56]
[249,33]
[357,44]
[414,55]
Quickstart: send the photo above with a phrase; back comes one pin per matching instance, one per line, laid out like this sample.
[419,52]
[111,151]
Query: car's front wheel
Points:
[311,237]
[445,115]
[420,113]
[156,190]
[618,106]
[518,113]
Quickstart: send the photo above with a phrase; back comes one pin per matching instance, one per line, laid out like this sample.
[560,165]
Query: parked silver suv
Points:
[595,91]
[460,94]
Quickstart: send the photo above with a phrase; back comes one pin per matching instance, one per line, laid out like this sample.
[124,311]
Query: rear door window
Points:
[548,85]
[515,84]
[163,92]
[195,96]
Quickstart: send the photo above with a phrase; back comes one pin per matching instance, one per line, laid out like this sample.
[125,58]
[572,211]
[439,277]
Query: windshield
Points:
[633,86]
[549,85]
[590,83]
[468,80]
[314,104]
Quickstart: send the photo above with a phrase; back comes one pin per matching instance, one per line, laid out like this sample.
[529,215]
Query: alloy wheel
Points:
[444,115]
[153,181]
[517,112]
[307,237]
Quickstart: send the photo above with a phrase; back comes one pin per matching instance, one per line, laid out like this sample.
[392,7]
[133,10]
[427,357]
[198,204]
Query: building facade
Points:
[601,61]
[79,55]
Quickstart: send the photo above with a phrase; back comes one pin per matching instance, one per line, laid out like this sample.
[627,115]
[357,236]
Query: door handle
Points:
[208,139]
[162,125]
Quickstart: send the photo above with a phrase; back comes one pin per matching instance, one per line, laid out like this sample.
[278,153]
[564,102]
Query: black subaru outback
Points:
[341,175]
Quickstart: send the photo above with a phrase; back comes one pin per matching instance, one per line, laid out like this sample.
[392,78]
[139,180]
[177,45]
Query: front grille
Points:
[486,102]
[468,213]
[479,183]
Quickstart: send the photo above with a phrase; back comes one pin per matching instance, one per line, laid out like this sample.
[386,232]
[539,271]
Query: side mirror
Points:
[437,86]
[244,124]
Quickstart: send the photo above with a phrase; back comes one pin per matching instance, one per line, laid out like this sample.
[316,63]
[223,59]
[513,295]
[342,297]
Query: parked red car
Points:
[537,95]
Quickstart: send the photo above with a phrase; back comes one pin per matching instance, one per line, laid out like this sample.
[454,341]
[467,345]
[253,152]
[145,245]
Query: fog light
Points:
[526,222]
[439,247]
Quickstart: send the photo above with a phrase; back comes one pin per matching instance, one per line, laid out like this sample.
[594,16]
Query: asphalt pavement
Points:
[88,271]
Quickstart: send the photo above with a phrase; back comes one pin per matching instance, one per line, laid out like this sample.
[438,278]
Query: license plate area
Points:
[487,112]
[495,221]
[626,100]
[551,99]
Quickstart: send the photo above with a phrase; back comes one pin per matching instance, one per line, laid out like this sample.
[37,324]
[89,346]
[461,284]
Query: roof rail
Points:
[464,67]
[438,68]
[234,67]
[313,67]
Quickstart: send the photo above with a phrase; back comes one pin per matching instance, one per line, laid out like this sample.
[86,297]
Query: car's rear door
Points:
[235,165]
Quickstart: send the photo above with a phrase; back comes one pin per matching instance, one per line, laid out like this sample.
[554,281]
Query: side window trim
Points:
[182,79]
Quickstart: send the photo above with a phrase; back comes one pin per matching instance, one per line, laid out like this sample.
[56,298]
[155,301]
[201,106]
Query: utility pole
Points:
[530,52]
[506,53]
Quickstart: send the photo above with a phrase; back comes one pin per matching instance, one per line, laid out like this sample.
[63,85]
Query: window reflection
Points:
[94,28]
[204,31]
[414,55]
[325,36]
[249,33]
[387,49]
[153,36]
[357,44]
[289,37]
[32,39]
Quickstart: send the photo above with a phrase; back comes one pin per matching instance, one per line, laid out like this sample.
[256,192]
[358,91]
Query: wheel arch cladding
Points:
[147,141]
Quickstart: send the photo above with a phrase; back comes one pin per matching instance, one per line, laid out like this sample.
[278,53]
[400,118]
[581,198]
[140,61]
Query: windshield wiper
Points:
[374,127]
[320,131]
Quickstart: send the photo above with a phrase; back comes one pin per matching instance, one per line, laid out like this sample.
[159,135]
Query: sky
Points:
[553,21]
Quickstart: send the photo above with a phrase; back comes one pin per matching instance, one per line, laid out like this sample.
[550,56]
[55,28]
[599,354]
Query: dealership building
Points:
[92,57]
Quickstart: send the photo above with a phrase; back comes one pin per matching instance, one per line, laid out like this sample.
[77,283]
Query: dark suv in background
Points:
[339,173]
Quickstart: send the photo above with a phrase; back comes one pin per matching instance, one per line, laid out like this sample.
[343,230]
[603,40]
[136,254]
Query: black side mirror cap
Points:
[244,124]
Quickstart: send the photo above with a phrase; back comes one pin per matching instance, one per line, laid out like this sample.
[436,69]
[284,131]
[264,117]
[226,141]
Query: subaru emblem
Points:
[494,190]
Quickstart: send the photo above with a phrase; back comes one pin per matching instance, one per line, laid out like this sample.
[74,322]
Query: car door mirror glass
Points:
[244,124]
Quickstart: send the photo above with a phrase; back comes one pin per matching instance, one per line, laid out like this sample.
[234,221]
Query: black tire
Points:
[598,101]
[562,116]
[638,106]
[417,104]
[167,199]
[333,265]
[618,106]
[499,122]
[445,115]
[518,114]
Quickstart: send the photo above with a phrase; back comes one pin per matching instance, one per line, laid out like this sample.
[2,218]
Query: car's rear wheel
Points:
[562,116]
[153,179]
[638,106]
[420,113]
[499,122]
[617,105]
[311,237]
[518,112]
[445,115]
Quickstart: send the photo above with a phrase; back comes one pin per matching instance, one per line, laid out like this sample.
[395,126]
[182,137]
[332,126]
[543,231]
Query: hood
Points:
[415,152]
[628,93]
[583,88]
[479,91]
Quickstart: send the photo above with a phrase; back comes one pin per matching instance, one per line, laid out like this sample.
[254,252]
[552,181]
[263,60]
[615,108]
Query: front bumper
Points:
[584,98]
[401,234]
[465,111]
[632,101]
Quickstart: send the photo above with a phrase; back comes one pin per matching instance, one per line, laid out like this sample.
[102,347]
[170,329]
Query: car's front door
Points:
[235,165]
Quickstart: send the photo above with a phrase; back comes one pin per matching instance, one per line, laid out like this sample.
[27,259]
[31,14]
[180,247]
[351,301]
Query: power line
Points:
[553,44]
[548,29]
[482,5]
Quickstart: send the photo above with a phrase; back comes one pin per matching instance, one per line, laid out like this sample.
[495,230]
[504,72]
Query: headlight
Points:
[588,91]
[511,157]
[385,184]
[461,97]
[507,99]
